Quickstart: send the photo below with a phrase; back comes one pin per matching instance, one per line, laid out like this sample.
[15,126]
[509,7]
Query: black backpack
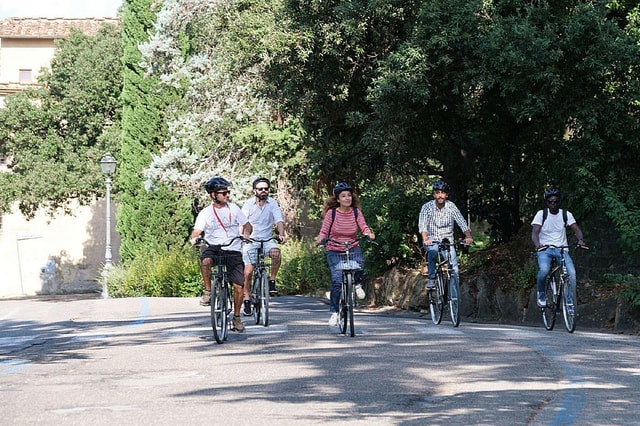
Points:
[545,213]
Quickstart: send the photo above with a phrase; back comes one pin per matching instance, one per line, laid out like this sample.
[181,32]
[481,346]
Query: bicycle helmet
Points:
[551,192]
[441,185]
[215,184]
[342,186]
[261,179]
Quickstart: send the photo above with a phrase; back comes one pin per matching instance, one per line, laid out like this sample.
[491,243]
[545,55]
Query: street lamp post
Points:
[108,166]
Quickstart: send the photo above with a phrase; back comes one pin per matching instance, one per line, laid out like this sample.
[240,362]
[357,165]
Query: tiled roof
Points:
[50,27]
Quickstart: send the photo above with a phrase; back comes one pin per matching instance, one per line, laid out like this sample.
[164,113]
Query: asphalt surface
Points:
[76,360]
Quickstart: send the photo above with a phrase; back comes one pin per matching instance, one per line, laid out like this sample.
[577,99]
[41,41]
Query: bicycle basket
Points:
[253,257]
[350,262]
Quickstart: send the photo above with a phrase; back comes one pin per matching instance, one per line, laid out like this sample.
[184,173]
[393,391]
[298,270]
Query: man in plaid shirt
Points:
[436,222]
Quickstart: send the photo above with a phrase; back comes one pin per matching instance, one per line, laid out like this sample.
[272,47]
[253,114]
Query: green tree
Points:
[54,136]
[148,221]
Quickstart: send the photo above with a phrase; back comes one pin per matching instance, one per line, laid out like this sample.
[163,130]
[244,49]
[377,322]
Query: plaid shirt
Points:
[438,223]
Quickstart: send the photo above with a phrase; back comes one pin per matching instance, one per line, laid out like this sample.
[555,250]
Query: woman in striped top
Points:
[342,219]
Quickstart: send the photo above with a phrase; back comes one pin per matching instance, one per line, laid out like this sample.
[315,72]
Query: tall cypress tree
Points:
[147,221]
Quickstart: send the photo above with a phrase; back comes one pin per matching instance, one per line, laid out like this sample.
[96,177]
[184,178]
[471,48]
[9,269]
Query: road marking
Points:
[15,365]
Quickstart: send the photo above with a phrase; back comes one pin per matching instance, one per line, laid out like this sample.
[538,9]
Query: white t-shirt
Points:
[553,231]
[221,225]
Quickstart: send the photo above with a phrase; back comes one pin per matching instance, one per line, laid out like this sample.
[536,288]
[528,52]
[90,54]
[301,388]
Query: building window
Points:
[26,76]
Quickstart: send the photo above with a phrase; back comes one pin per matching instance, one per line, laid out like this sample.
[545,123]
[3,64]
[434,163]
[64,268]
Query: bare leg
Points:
[205,269]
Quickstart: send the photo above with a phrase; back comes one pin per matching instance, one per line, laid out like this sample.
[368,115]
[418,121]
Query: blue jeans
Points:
[544,266]
[333,258]
[432,258]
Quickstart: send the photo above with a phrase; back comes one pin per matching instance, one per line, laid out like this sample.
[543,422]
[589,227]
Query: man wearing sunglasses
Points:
[219,223]
[263,213]
[549,228]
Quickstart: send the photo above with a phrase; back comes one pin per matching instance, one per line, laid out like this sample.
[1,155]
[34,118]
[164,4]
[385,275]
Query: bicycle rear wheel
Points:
[549,311]
[219,300]
[568,294]
[436,301]
[454,305]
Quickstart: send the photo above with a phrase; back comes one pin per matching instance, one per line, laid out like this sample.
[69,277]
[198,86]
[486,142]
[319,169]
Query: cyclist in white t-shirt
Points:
[550,230]
[219,223]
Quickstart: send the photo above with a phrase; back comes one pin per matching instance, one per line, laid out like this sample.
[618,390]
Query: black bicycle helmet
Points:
[342,186]
[215,184]
[441,185]
[550,192]
[261,179]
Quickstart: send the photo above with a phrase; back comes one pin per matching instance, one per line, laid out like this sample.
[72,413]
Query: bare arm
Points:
[194,235]
[576,229]
[535,235]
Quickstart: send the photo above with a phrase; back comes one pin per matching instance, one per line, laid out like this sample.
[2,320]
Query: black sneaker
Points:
[247,308]
[272,287]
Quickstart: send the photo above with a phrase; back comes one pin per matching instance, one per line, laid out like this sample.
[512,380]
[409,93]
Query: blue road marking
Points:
[574,397]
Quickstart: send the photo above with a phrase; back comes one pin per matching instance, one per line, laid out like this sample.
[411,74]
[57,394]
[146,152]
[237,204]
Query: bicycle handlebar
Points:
[253,240]
[546,246]
[201,240]
[346,244]
[460,242]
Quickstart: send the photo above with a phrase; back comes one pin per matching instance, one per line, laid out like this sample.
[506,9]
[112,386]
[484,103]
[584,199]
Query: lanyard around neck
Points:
[218,217]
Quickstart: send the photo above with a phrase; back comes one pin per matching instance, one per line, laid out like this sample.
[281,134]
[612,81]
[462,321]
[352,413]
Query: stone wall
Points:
[495,294]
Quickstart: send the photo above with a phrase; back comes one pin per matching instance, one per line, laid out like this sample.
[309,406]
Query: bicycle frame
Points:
[446,290]
[559,293]
[349,265]
[221,300]
[260,283]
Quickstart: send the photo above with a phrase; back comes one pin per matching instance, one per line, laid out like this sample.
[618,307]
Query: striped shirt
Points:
[439,223]
[344,228]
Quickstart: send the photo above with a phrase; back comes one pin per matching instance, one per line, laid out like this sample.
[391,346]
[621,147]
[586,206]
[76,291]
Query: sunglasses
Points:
[553,201]
[264,188]
[223,192]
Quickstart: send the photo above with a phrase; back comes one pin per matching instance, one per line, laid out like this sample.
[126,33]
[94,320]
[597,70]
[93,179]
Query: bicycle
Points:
[350,262]
[260,283]
[446,290]
[556,286]
[221,300]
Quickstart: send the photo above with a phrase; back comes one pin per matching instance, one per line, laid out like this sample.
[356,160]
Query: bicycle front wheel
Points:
[350,300]
[264,299]
[342,308]
[454,305]
[549,311]
[436,301]
[256,296]
[569,302]
[219,300]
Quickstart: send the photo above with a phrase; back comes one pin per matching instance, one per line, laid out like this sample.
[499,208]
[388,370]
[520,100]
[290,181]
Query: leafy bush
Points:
[172,274]
[627,285]
[392,212]
[304,268]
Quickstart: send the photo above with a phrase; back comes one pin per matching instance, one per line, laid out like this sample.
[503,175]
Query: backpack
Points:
[333,218]
[545,213]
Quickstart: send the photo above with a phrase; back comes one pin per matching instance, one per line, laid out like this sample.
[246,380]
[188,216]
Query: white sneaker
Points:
[360,292]
[542,299]
[333,321]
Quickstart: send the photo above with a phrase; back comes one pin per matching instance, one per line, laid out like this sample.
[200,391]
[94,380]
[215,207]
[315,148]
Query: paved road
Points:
[68,361]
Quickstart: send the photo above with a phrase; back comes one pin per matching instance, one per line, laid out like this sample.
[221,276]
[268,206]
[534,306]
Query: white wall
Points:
[20,54]
[70,250]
